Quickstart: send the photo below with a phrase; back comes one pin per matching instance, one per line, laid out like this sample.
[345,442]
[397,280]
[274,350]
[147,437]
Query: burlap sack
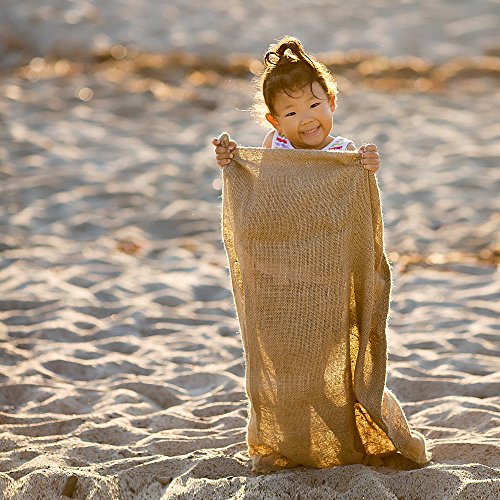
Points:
[303,233]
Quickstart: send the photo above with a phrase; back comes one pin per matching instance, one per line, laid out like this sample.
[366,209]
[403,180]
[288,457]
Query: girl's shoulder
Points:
[279,141]
[268,140]
[340,143]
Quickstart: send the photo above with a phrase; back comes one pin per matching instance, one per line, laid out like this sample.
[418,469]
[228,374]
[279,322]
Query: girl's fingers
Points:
[223,160]
[223,156]
[220,149]
[231,145]
[223,163]
[370,157]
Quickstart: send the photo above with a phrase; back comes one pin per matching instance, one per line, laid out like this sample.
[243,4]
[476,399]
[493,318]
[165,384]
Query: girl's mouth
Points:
[311,132]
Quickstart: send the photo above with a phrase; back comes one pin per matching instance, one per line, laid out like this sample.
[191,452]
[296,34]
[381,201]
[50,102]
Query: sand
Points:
[121,364]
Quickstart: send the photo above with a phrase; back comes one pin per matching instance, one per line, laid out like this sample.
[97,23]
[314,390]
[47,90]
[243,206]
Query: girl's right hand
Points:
[223,155]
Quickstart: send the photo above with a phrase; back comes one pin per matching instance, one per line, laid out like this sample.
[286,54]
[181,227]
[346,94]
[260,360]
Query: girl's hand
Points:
[223,155]
[370,157]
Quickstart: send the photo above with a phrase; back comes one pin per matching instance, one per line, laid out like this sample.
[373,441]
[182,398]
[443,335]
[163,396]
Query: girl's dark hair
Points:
[287,68]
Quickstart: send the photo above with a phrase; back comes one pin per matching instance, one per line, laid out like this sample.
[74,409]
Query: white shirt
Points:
[338,143]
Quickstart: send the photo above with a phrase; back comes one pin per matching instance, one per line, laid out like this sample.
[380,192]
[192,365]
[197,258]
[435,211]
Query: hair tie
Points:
[273,58]
[271,54]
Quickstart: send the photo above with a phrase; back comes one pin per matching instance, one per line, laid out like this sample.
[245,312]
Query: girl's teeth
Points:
[311,131]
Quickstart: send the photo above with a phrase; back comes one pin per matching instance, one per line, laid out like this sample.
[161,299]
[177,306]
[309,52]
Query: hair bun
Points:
[293,44]
[272,58]
[288,50]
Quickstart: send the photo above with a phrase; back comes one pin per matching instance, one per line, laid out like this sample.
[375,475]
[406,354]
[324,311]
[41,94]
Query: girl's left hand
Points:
[370,157]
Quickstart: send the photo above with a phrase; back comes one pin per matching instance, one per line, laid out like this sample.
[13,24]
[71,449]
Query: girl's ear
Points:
[332,103]
[270,118]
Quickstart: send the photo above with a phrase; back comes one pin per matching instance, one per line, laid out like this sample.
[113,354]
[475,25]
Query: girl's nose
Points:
[306,119]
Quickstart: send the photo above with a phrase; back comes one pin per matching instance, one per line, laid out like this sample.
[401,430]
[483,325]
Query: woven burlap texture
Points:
[303,233]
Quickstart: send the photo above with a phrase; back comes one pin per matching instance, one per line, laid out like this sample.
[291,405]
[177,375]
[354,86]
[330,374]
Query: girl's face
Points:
[304,117]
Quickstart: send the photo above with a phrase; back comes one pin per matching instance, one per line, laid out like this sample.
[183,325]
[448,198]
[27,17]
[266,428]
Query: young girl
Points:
[297,94]
[311,282]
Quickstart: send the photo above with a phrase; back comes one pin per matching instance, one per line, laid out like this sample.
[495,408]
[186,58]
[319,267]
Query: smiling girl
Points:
[297,95]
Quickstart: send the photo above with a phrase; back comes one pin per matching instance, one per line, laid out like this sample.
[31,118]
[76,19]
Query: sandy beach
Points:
[121,364]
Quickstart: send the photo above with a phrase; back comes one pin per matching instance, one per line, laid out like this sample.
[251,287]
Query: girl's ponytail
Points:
[280,53]
[293,44]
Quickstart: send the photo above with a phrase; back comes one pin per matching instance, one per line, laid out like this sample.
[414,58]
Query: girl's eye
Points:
[314,104]
[290,114]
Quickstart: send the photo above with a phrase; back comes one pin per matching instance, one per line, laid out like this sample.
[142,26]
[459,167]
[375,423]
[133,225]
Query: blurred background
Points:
[112,265]
[435,30]
[97,89]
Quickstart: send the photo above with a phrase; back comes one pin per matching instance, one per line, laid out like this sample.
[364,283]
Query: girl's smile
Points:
[311,131]
[304,116]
